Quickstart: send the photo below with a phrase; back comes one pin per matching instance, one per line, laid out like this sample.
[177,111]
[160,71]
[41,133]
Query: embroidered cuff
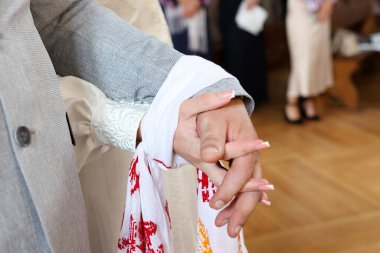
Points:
[116,123]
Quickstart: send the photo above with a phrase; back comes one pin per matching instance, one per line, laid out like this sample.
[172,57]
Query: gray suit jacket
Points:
[41,204]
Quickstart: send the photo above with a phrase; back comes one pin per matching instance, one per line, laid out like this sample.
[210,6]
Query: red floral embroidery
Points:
[150,229]
[139,238]
[134,177]
[198,170]
[162,163]
[206,186]
[131,243]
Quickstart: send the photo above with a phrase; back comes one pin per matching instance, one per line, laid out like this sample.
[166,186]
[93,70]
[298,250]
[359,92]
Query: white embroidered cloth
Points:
[146,221]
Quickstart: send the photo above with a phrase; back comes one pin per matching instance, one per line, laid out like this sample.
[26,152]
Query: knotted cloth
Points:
[146,219]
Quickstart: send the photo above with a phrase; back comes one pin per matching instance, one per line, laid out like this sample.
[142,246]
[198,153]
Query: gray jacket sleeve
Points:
[86,40]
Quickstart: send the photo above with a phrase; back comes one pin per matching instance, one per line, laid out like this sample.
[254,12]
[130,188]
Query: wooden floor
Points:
[326,174]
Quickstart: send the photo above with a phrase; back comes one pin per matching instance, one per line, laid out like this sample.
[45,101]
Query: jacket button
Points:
[23,136]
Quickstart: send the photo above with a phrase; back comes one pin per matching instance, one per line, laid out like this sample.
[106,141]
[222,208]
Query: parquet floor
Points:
[326,174]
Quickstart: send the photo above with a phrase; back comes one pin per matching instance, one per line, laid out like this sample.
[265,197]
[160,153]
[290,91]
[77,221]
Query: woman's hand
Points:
[211,128]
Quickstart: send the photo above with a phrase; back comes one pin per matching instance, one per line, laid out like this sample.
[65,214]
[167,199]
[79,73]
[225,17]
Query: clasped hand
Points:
[214,127]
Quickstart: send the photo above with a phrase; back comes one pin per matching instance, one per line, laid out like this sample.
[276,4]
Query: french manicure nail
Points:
[266,202]
[227,94]
[267,187]
[219,204]
[262,145]
[262,182]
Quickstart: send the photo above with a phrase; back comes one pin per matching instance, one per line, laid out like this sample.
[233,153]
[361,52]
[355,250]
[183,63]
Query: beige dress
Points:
[103,170]
[143,14]
[310,51]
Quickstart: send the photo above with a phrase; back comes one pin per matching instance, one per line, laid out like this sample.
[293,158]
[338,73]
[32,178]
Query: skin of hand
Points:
[238,211]
[205,124]
[325,11]
[187,142]
[252,3]
[190,7]
[231,123]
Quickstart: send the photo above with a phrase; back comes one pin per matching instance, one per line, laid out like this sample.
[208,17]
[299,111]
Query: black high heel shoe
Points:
[296,121]
[314,117]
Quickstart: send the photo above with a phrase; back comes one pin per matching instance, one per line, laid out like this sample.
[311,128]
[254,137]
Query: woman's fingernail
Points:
[266,202]
[227,94]
[219,204]
[262,182]
[262,145]
[237,230]
[267,187]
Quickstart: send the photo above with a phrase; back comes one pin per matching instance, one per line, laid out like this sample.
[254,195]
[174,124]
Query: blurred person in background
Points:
[308,30]
[188,25]
[243,52]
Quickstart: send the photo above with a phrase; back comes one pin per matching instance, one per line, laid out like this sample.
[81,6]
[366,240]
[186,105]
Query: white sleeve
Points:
[116,123]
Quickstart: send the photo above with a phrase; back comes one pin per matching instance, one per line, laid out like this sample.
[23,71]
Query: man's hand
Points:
[211,128]
[188,144]
[238,211]
[216,128]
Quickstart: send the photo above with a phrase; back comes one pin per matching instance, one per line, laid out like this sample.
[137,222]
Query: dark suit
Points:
[243,53]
